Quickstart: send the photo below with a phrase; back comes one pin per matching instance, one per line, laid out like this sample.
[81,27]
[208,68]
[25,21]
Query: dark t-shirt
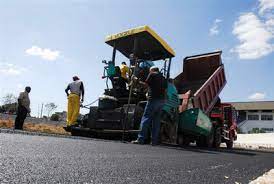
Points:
[156,86]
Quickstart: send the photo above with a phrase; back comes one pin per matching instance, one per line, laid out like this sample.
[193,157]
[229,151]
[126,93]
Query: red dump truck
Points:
[202,117]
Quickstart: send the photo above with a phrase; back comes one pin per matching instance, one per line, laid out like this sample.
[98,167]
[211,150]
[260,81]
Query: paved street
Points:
[42,159]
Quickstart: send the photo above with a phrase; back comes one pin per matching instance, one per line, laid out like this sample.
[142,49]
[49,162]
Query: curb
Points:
[23,132]
[253,147]
[257,147]
[268,177]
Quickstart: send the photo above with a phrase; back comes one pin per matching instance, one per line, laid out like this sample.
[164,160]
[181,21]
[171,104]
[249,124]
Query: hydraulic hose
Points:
[86,106]
[129,99]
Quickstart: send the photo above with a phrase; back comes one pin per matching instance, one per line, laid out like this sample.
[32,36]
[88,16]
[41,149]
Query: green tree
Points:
[54,117]
[9,99]
[9,103]
[50,107]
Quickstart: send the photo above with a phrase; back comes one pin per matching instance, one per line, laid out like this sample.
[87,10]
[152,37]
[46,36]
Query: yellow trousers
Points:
[73,109]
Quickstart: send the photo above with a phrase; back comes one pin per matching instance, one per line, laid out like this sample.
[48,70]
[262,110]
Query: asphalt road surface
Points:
[43,159]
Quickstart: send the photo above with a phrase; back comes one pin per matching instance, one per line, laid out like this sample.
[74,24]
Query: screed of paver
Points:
[267,178]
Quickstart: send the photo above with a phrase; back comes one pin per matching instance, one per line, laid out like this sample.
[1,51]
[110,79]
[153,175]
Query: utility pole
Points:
[38,112]
[42,110]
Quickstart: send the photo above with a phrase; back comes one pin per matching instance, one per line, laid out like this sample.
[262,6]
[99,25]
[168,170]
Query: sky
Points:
[44,43]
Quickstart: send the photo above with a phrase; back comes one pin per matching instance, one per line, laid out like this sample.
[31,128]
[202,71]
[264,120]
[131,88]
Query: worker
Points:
[77,91]
[157,86]
[144,68]
[23,108]
[124,71]
[132,60]
[146,64]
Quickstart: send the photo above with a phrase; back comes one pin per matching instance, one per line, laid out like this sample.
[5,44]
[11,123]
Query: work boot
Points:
[67,128]
[136,142]
[155,144]
[74,125]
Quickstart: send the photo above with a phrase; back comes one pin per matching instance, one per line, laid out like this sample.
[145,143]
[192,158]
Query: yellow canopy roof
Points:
[150,45]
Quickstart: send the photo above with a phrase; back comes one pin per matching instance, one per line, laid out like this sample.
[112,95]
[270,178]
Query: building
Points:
[255,116]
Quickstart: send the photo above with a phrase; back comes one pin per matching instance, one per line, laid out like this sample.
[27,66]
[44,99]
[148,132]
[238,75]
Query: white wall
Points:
[248,125]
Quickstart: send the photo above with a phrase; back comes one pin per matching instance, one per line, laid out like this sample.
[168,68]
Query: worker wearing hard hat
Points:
[124,71]
[144,66]
[157,86]
[77,91]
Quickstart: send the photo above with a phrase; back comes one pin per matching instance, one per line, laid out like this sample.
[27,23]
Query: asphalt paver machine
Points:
[121,106]
[193,112]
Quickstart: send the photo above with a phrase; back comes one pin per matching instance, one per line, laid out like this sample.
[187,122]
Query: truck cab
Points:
[224,116]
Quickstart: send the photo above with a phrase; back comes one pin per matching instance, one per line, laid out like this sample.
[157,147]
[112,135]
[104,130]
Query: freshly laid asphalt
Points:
[45,159]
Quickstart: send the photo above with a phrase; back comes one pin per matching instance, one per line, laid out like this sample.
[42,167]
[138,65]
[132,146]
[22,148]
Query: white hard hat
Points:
[153,68]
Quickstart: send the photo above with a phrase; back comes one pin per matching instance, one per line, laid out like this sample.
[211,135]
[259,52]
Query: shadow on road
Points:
[238,151]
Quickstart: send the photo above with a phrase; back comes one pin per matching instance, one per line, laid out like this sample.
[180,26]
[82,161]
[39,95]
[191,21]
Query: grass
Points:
[36,127]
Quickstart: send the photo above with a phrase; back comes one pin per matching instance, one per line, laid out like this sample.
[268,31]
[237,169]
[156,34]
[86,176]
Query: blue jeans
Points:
[151,117]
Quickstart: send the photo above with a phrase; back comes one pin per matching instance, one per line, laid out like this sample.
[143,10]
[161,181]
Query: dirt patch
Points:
[34,127]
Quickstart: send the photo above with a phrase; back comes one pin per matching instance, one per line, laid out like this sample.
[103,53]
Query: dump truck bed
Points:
[203,75]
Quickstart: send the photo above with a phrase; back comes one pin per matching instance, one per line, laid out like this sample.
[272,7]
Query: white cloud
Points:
[257,96]
[266,6]
[255,37]
[45,53]
[214,30]
[11,69]
[270,25]
[255,31]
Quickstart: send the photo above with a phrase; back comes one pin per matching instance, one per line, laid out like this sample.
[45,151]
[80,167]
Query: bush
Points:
[54,117]
[9,108]
[256,130]
[2,110]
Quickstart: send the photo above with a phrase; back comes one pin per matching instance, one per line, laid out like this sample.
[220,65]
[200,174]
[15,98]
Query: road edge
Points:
[267,177]
[248,147]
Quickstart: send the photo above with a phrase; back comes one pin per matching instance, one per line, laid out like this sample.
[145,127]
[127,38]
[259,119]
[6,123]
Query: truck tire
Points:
[183,140]
[210,140]
[205,141]
[229,144]
[217,138]
[180,140]
[186,141]
[201,141]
